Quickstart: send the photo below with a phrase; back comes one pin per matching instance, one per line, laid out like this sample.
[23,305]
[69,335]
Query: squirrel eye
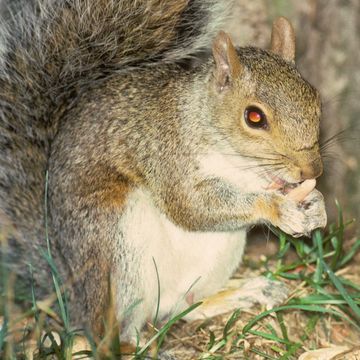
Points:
[255,118]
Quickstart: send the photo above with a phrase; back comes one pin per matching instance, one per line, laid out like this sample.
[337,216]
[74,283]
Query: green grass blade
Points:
[33,299]
[59,295]
[55,275]
[320,299]
[3,333]
[46,212]
[289,276]
[211,340]
[310,326]
[349,283]
[230,323]
[291,351]
[317,239]
[350,254]
[309,308]
[339,286]
[217,346]
[268,336]
[261,353]
[339,239]
[271,329]
[162,332]
[283,329]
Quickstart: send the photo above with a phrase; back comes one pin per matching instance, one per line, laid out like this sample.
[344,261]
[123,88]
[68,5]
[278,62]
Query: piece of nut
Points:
[303,190]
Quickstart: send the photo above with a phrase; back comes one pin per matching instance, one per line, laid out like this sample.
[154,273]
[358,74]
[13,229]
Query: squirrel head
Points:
[263,106]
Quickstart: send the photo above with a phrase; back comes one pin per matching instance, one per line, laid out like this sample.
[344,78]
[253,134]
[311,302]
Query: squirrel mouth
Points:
[281,185]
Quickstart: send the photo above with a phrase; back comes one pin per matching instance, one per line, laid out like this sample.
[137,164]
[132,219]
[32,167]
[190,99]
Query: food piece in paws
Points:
[302,191]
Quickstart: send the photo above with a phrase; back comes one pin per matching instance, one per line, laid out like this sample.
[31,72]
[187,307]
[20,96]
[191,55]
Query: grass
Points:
[321,294]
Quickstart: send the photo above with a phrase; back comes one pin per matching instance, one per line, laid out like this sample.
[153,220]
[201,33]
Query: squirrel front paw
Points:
[300,217]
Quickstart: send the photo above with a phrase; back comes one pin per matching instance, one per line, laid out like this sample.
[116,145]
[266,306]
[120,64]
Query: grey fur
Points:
[98,93]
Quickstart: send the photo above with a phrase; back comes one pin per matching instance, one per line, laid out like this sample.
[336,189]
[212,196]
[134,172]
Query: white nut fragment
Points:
[302,191]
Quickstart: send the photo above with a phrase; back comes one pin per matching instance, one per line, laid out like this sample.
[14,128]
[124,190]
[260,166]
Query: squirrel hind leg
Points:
[258,290]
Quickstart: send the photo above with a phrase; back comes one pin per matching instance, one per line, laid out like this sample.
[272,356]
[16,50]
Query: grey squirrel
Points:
[150,160]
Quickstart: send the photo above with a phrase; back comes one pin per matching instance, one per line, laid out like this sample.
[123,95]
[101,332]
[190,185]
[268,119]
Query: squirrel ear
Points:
[227,62]
[283,39]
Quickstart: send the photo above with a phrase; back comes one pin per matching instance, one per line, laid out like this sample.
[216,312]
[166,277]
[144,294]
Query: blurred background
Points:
[328,56]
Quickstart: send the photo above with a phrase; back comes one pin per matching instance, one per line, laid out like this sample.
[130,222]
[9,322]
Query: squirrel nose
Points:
[311,170]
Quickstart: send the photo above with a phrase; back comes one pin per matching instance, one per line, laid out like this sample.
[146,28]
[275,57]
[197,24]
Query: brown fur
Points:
[96,93]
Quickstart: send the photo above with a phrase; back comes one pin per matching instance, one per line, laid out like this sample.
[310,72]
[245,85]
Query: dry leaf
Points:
[323,354]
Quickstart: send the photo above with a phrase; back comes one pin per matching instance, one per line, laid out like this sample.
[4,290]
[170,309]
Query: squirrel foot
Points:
[258,290]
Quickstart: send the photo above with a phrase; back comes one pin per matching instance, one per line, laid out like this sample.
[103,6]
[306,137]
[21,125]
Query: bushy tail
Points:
[51,50]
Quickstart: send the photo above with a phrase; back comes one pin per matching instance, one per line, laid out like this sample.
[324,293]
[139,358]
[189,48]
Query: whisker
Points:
[271,171]
[252,156]
[256,166]
[339,137]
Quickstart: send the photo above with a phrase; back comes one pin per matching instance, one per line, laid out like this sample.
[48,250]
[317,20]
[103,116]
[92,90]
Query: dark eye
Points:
[255,118]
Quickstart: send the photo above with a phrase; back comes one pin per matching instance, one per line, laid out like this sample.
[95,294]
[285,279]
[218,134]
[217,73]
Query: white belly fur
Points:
[181,257]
